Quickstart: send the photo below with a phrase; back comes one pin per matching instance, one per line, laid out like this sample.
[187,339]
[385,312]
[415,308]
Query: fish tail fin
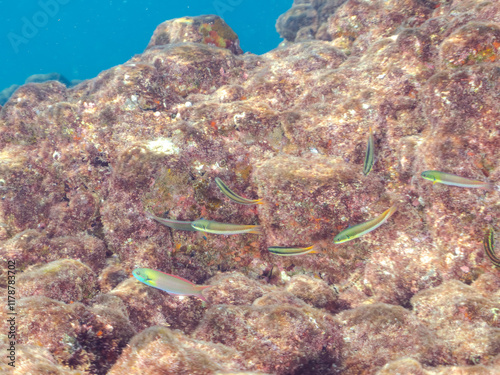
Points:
[389,212]
[259,201]
[200,289]
[202,297]
[256,230]
[488,186]
[315,249]
[149,214]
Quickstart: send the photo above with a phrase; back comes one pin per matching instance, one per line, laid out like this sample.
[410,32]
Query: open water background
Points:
[80,38]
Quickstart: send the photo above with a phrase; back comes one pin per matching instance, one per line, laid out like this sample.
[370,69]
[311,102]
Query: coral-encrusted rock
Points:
[31,247]
[294,19]
[471,44]
[111,276]
[208,29]
[488,284]
[302,21]
[405,366]
[409,366]
[378,333]
[147,306]
[468,322]
[80,166]
[276,338]
[159,350]
[64,280]
[313,291]
[74,334]
[32,359]
[234,289]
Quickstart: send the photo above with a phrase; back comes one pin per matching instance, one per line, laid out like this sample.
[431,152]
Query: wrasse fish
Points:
[451,179]
[222,228]
[169,283]
[369,158]
[176,224]
[233,196]
[363,228]
[292,251]
[489,247]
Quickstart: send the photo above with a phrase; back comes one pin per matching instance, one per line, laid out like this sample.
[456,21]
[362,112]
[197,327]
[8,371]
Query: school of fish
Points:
[178,286]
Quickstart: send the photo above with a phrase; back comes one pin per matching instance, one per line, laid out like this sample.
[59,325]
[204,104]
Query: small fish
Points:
[169,283]
[451,179]
[363,228]
[369,159]
[291,251]
[489,247]
[233,196]
[222,228]
[176,224]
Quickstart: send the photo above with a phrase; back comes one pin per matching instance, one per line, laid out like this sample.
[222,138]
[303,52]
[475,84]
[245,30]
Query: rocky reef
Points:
[80,166]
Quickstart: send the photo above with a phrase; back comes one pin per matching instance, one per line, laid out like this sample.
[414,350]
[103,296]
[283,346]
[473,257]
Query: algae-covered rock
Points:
[208,29]
[161,350]
[464,319]
[275,338]
[76,336]
[80,166]
[378,333]
[64,280]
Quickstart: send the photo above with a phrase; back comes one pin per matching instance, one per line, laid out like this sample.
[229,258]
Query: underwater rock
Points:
[294,19]
[275,338]
[65,280]
[39,78]
[234,288]
[6,93]
[377,333]
[33,359]
[408,366]
[80,166]
[76,336]
[313,291]
[463,319]
[209,29]
[162,350]
[304,18]
[404,366]
[111,276]
[31,247]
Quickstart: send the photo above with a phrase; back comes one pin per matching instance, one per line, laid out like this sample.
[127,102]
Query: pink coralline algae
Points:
[80,166]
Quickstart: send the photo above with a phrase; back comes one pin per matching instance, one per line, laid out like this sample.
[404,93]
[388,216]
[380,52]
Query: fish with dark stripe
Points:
[489,247]
[175,224]
[233,196]
[292,251]
[369,157]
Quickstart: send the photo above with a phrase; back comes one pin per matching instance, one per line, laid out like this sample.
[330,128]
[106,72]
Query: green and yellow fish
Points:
[453,180]
[169,283]
[363,228]
[233,196]
[175,224]
[292,251]
[369,156]
[489,247]
[215,227]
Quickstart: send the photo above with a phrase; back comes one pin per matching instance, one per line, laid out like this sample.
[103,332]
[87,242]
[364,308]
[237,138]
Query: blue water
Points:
[80,38]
